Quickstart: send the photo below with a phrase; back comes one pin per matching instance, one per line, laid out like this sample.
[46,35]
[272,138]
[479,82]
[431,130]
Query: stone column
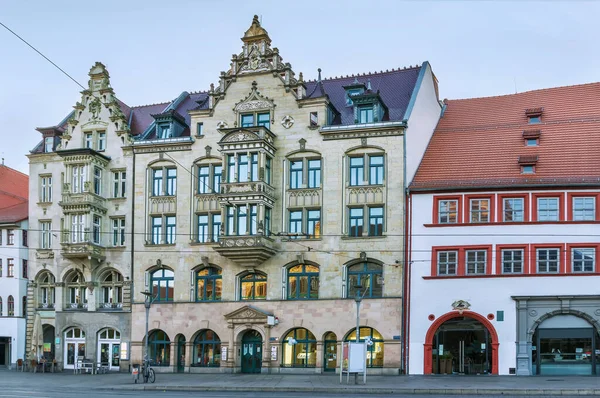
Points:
[523,346]
[231,354]
[59,289]
[319,359]
[267,348]
[189,351]
[173,357]
[91,297]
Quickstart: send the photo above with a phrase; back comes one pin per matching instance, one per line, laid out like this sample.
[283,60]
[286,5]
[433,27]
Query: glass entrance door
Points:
[75,351]
[251,352]
[181,354]
[330,352]
[110,355]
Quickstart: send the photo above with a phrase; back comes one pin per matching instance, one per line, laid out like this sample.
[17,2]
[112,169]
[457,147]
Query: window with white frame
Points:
[46,234]
[584,208]
[448,211]
[10,267]
[45,189]
[101,139]
[513,209]
[476,262]
[48,144]
[95,140]
[97,180]
[547,261]
[547,209]
[447,262]
[512,261]
[583,259]
[10,236]
[78,228]
[479,210]
[118,231]
[78,178]
[119,184]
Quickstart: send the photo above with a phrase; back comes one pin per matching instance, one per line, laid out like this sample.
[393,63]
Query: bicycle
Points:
[147,373]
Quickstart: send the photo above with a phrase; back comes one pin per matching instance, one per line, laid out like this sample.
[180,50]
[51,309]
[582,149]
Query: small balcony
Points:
[82,250]
[76,307]
[110,306]
[249,188]
[45,306]
[81,201]
[247,251]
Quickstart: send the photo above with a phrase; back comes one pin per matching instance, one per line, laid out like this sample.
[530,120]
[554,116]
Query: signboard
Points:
[223,354]
[354,360]
[273,353]
[57,341]
[124,351]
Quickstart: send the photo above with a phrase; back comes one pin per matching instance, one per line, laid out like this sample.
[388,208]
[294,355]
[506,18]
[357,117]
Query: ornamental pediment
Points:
[241,135]
[254,101]
[247,313]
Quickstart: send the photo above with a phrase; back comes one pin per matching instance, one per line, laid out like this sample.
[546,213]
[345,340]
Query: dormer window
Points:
[531,142]
[534,119]
[527,164]
[48,144]
[169,124]
[365,114]
[532,137]
[352,92]
[528,169]
[534,115]
[164,131]
[256,119]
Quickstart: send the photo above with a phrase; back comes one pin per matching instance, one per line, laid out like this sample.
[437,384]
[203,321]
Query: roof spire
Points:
[319,78]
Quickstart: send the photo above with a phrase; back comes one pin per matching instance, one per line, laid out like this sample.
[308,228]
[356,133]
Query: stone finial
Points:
[302,143]
[300,78]
[319,78]
[255,32]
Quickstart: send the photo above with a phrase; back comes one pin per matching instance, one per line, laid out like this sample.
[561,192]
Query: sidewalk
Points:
[441,385]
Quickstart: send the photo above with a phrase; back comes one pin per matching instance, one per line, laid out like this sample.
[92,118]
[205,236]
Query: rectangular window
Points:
[89,143]
[357,171]
[375,170]
[531,142]
[171,182]
[77,228]
[264,119]
[157,182]
[583,259]
[46,189]
[242,168]
[199,129]
[101,141]
[0,267]
[513,210]
[295,222]
[203,231]
[156,230]
[375,221]
[230,220]
[365,114]
[77,179]
[268,170]
[248,120]
[10,236]
[216,227]
[46,234]
[447,262]
[119,181]
[96,225]
[231,168]
[356,221]
[254,167]
[170,230]
[313,224]
[584,208]
[534,119]
[476,262]
[24,238]
[24,270]
[547,260]
[267,221]
[10,267]
[253,219]
[448,211]
[242,220]
[217,174]
[296,174]
[203,179]
[480,210]
[48,144]
[98,181]
[314,173]
[547,209]
[118,231]
[164,131]
[314,119]
[512,261]
[528,169]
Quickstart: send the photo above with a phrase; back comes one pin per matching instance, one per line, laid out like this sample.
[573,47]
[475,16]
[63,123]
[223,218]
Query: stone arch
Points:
[306,153]
[43,273]
[160,162]
[364,149]
[427,355]
[239,331]
[591,320]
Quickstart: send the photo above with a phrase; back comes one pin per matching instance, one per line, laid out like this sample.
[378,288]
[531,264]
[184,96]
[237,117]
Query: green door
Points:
[251,352]
[330,352]
[181,354]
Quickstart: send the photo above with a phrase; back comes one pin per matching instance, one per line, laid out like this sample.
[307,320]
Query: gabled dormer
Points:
[170,124]
[355,89]
[368,105]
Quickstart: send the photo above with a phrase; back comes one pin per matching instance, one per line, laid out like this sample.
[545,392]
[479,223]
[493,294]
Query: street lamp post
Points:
[147,303]
[357,299]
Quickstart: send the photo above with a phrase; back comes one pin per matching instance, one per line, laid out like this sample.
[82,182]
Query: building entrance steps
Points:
[448,385]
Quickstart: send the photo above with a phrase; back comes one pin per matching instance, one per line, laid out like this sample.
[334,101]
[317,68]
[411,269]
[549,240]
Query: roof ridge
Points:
[10,168]
[525,92]
[198,92]
[158,103]
[368,74]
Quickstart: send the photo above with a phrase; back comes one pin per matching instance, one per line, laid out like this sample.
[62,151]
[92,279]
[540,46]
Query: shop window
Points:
[162,282]
[303,282]
[253,286]
[209,284]
[375,350]
[367,277]
[299,349]
[207,349]
[159,348]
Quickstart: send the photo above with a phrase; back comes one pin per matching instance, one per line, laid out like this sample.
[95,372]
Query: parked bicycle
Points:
[148,374]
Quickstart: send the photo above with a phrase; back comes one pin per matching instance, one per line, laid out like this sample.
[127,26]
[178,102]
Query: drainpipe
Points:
[403,350]
[132,232]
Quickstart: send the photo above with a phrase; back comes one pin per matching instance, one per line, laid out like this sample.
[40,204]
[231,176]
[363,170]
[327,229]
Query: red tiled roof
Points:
[14,213]
[14,185]
[478,142]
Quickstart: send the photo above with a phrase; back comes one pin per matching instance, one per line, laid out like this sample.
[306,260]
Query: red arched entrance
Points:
[427,359]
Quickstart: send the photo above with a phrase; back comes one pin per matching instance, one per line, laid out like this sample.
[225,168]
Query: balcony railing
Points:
[247,251]
[110,306]
[247,188]
[84,198]
[82,250]
[45,306]
[76,306]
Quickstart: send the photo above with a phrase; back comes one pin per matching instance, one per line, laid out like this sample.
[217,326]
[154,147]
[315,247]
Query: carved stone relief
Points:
[287,121]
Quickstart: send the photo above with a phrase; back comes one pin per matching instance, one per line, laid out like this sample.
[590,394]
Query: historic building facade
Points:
[80,211]
[503,274]
[261,204]
[14,265]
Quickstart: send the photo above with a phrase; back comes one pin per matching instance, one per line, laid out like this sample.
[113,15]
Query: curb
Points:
[365,390]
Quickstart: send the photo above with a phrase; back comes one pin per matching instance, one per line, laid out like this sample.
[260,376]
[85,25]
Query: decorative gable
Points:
[255,102]
[248,313]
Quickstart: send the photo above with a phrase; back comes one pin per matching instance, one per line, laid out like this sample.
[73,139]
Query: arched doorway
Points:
[74,347]
[48,347]
[109,346]
[461,343]
[180,353]
[251,352]
[330,352]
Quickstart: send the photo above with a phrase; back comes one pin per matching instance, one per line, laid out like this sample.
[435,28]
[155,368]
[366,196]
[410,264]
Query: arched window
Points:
[11,306]
[111,290]
[375,350]
[75,333]
[46,290]
[109,334]
[299,349]
[303,282]
[162,281]
[368,275]
[208,284]
[207,349]
[253,286]
[76,290]
[159,347]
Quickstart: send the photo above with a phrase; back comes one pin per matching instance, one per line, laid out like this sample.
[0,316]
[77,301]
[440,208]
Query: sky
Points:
[155,49]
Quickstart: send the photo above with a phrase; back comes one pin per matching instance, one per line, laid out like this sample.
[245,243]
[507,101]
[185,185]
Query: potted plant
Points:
[446,363]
